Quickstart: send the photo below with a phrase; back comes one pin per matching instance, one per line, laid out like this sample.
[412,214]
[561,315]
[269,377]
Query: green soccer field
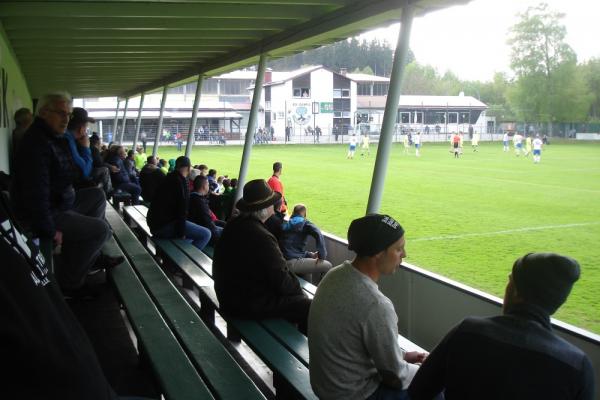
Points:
[467,219]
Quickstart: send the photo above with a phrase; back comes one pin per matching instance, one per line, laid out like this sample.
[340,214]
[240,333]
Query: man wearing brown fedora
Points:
[252,279]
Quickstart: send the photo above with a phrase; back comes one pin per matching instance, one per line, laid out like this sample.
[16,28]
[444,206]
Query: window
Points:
[405,117]
[209,86]
[452,118]
[337,93]
[440,117]
[380,89]
[345,93]
[176,90]
[341,104]
[235,87]
[301,92]
[418,117]
[464,118]
[301,86]
[363,89]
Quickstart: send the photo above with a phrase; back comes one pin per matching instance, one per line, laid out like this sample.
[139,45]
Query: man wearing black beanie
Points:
[353,327]
[516,355]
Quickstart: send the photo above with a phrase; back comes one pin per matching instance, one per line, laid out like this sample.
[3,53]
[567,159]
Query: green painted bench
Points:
[280,347]
[207,358]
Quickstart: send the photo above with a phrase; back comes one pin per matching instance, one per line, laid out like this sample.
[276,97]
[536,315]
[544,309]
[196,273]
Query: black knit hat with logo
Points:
[373,233]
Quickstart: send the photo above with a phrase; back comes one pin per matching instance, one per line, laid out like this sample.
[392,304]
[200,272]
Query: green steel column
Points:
[190,139]
[116,122]
[124,121]
[139,122]
[163,101]
[258,84]
[391,111]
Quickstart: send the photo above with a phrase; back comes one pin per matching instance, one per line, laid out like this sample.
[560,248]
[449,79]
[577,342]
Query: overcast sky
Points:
[470,40]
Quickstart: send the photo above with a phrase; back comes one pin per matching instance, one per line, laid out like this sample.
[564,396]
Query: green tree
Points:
[351,54]
[547,87]
[591,74]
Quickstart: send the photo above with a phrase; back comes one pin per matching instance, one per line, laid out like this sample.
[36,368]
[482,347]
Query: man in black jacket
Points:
[199,211]
[151,177]
[167,216]
[46,202]
[252,279]
[517,355]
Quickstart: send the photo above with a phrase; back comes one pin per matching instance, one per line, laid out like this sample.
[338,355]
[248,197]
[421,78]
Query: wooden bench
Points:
[290,374]
[189,361]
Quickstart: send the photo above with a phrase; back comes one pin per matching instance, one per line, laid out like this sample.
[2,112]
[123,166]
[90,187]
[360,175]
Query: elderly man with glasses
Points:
[47,204]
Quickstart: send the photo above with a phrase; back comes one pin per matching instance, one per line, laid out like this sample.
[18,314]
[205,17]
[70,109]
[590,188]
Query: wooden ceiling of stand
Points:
[124,47]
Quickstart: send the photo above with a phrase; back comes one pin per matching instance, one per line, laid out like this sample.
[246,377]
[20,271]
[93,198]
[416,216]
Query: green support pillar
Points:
[391,112]
[190,139]
[258,84]
[138,125]
[163,101]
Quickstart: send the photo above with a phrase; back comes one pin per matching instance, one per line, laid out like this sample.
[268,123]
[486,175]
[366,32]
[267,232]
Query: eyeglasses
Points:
[61,113]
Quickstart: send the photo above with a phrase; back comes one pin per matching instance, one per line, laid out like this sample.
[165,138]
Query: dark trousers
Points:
[84,233]
[133,189]
[101,176]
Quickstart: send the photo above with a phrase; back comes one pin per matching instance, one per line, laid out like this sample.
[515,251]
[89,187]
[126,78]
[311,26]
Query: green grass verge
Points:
[467,219]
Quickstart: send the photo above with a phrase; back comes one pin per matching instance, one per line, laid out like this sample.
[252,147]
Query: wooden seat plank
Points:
[224,376]
[278,358]
[174,371]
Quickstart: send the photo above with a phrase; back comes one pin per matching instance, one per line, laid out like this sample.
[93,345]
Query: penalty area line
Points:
[503,232]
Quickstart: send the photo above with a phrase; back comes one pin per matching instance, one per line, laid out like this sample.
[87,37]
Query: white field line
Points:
[504,232]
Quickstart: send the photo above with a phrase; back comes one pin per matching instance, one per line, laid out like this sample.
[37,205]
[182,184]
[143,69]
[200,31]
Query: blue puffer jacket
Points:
[294,236]
[122,176]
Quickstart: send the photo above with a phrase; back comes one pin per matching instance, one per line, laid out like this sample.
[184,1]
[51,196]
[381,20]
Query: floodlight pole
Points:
[124,121]
[190,139]
[116,122]
[163,101]
[391,111]
[258,84]
[139,122]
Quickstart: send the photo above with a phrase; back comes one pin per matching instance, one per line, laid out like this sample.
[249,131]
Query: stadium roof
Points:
[436,102]
[125,47]
[367,78]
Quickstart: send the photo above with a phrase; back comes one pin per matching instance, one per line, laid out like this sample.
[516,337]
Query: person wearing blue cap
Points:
[516,355]
[353,327]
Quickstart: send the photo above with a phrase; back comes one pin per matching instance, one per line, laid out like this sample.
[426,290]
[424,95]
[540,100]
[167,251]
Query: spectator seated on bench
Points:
[353,328]
[41,340]
[199,211]
[252,280]
[151,177]
[123,179]
[167,216]
[310,266]
[530,361]
[101,170]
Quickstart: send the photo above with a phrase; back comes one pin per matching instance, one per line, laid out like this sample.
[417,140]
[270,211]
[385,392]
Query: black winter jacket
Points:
[199,212]
[514,356]
[170,204]
[151,177]
[44,176]
[251,276]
